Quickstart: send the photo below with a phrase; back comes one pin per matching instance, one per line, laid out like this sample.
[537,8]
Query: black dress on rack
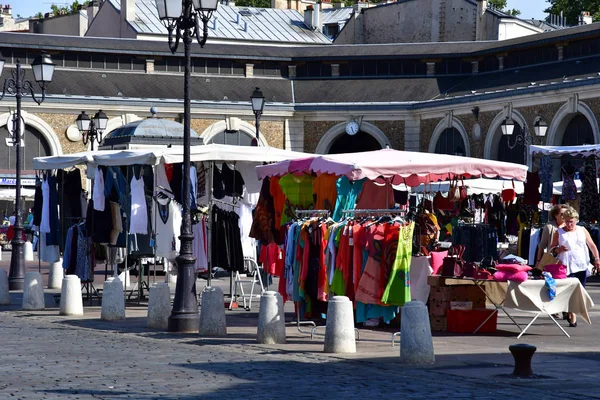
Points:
[226,243]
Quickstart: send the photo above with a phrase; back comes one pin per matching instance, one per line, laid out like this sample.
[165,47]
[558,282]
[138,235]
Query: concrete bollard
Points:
[416,344]
[33,292]
[159,306]
[4,291]
[522,353]
[56,275]
[212,313]
[113,301]
[71,302]
[28,251]
[339,330]
[271,319]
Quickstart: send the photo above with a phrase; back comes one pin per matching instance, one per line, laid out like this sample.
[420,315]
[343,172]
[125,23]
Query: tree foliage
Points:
[572,9]
[253,3]
[501,5]
[64,10]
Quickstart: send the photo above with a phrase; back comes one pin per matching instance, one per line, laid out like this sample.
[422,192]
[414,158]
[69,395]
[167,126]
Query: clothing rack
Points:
[375,211]
[312,213]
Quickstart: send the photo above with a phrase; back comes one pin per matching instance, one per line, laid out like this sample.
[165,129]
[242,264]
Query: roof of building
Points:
[236,23]
[336,15]
[149,131]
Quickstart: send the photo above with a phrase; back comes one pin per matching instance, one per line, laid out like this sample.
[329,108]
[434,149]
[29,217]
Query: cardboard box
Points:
[466,321]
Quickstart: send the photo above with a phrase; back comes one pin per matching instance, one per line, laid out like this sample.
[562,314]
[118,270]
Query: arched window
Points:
[236,138]
[35,145]
[362,141]
[516,154]
[578,132]
[451,142]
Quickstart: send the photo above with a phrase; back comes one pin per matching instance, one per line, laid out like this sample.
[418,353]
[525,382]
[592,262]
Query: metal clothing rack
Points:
[376,211]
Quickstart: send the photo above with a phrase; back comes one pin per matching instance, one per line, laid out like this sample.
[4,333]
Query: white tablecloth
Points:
[420,269]
[532,295]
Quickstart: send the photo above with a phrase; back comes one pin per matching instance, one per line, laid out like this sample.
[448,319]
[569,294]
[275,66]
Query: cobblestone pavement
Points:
[49,357]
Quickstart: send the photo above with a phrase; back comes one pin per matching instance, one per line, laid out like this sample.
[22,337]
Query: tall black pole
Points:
[16,276]
[257,116]
[184,315]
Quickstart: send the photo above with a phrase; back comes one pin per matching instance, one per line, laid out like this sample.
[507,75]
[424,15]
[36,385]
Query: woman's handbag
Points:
[453,265]
[509,195]
[547,259]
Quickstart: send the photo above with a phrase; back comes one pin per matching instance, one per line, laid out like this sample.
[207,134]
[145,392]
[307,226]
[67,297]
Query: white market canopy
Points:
[410,168]
[583,150]
[11,194]
[474,186]
[210,152]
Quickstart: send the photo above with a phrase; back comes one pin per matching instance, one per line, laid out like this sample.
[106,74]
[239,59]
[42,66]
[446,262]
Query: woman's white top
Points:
[168,225]
[139,212]
[577,258]
[45,223]
[99,199]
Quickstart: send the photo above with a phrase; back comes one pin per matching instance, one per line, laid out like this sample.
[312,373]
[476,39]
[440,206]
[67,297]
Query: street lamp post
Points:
[540,127]
[258,104]
[43,70]
[92,129]
[183,17]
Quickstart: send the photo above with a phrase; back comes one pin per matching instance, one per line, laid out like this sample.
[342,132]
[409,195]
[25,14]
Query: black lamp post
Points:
[258,104]
[184,17]
[540,127]
[43,69]
[92,129]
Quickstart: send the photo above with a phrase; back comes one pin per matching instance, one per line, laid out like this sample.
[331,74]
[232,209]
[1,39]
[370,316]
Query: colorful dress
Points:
[546,178]
[397,291]
[590,201]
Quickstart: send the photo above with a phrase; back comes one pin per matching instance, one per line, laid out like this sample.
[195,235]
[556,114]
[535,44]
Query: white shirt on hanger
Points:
[45,223]
[168,226]
[138,221]
[99,199]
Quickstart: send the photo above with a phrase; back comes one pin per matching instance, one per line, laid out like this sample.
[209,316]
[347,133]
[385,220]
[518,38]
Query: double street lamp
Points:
[43,70]
[258,104]
[540,128]
[182,19]
[92,129]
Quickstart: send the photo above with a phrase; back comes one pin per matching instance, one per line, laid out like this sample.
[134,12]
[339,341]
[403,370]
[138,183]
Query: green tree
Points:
[572,9]
[501,5]
[39,15]
[253,3]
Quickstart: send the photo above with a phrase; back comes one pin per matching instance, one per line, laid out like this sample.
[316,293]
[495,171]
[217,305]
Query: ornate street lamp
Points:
[182,18]
[258,104]
[540,127]
[43,70]
[92,129]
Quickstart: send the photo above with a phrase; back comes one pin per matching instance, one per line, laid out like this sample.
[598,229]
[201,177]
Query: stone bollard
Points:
[28,251]
[159,306]
[71,301]
[271,319]
[416,344]
[212,313]
[522,353]
[113,300]
[33,292]
[339,330]
[56,275]
[4,291]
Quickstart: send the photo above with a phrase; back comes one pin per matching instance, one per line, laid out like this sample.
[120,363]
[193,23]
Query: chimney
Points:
[585,18]
[92,11]
[308,16]
[128,10]
[317,18]
[480,24]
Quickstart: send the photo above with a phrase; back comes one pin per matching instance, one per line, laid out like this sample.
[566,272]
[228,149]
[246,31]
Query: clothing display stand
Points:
[306,213]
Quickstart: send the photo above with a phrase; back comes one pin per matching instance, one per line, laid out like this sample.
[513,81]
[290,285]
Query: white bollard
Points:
[4,291]
[71,302]
[113,300]
[56,275]
[339,330]
[416,344]
[159,306]
[28,251]
[212,313]
[271,319]
[33,292]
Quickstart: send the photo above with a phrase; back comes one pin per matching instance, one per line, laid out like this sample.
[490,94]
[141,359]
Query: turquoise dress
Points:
[347,193]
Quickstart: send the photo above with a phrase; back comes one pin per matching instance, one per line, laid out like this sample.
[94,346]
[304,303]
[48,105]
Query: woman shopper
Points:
[570,245]
[556,221]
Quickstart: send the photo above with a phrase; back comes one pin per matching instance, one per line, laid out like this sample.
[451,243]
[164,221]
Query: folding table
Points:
[532,295]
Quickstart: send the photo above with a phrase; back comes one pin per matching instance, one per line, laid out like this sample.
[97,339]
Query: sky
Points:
[27,8]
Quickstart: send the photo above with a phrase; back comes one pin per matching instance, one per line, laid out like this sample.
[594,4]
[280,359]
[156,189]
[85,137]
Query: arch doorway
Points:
[362,141]
[578,131]
[35,143]
[451,142]
[515,154]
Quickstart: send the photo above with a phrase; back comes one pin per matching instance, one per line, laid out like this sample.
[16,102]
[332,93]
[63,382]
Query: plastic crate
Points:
[466,321]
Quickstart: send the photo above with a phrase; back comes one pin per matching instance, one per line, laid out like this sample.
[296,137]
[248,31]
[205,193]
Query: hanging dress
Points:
[590,202]
[546,178]
[45,223]
[397,291]
[569,191]
[138,222]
